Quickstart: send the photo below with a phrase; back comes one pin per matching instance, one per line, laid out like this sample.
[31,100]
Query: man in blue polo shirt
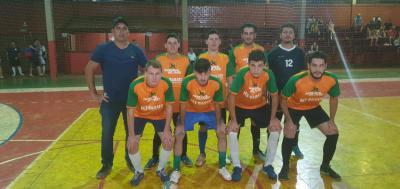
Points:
[119,61]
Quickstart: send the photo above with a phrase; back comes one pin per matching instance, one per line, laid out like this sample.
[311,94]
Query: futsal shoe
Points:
[225,173]
[151,163]
[270,172]
[327,170]
[237,174]
[137,178]
[185,160]
[104,171]
[163,175]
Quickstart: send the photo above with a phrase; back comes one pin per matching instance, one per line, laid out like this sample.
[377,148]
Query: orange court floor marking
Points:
[365,155]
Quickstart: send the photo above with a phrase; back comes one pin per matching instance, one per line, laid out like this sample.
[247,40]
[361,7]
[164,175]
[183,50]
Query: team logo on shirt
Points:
[314,92]
[214,66]
[201,98]
[152,98]
[254,91]
[172,69]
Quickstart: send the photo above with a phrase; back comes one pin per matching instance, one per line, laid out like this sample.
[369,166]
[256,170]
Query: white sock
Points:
[272,146]
[164,157]
[136,160]
[13,70]
[234,147]
[20,70]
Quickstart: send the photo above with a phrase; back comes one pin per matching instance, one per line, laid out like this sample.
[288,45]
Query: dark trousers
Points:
[109,117]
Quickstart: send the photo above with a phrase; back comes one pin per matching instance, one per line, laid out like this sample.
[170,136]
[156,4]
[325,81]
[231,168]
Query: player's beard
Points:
[317,77]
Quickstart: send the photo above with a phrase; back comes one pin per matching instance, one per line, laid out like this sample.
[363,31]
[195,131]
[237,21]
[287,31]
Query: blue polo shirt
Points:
[120,68]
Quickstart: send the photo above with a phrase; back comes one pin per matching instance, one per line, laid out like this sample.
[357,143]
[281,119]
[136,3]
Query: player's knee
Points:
[221,134]
[167,146]
[179,134]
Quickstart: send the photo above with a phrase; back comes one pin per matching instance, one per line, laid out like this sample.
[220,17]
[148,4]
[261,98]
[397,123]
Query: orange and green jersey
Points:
[251,91]
[149,102]
[239,55]
[175,70]
[201,98]
[304,93]
[220,68]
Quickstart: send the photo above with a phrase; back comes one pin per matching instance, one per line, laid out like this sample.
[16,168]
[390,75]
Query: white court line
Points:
[371,116]
[369,80]
[47,149]
[21,157]
[52,89]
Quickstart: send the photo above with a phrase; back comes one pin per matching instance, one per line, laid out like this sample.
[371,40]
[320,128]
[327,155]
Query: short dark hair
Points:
[202,65]
[316,54]
[154,64]
[213,31]
[288,25]
[173,35]
[248,25]
[257,55]
[119,19]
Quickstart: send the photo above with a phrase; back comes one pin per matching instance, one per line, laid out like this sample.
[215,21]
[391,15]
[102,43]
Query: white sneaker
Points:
[175,176]
[225,173]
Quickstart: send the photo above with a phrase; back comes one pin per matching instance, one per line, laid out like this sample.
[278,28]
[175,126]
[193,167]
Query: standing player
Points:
[221,69]
[119,60]
[150,100]
[201,96]
[238,57]
[174,67]
[248,99]
[285,60]
[301,96]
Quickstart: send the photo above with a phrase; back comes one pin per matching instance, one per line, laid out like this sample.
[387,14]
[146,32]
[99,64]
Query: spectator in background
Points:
[192,56]
[358,25]
[331,28]
[41,56]
[373,31]
[314,47]
[33,59]
[13,56]
[396,43]
[1,69]
[392,33]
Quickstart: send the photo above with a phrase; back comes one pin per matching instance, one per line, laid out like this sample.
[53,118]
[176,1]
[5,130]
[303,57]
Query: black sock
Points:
[287,145]
[184,146]
[329,148]
[296,139]
[255,133]
[156,145]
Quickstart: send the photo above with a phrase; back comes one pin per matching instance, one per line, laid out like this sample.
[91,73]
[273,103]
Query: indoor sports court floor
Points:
[58,140]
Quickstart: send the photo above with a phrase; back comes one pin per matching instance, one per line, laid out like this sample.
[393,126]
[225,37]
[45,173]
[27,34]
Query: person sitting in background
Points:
[392,33]
[192,56]
[314,47]
[396,43]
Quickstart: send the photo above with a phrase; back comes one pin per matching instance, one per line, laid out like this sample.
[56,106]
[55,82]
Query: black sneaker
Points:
[269,171]
[151,163]
[237,174]
[327,170]
[163,175]
[130,166]
[104,171]
[185,160]
[137,178]
[284,174]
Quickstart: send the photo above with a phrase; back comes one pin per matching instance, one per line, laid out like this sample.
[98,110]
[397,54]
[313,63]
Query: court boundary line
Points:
[21,121]
[47,149]
[371,116]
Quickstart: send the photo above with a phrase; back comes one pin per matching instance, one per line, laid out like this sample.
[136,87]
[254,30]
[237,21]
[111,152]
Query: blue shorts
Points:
[140,123]
[208,118]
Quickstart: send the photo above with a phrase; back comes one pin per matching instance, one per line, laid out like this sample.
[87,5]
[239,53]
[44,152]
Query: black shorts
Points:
[140,123]
[314,116]
[259,116]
